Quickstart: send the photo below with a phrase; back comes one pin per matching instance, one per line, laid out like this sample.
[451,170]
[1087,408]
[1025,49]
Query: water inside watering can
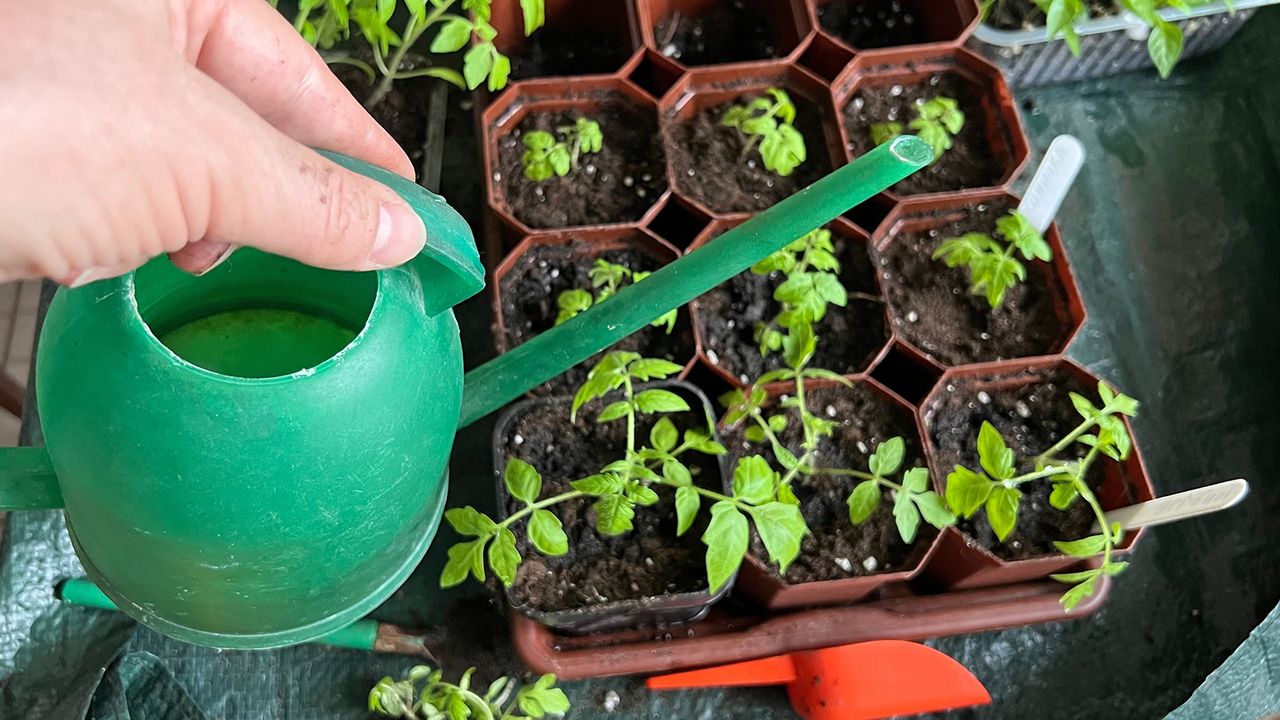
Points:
[256,315]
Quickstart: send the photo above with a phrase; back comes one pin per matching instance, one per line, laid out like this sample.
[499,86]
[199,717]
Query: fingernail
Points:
[87,276]
[226,253]
[401,235]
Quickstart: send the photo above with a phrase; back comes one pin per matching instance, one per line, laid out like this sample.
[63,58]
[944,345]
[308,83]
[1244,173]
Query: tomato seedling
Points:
[768,121]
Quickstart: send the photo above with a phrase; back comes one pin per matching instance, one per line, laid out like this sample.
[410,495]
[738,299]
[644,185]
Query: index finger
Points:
[250,49]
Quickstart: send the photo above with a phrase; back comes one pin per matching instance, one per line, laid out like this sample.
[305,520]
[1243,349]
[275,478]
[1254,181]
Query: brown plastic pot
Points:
[654,73]
[787,21]
[679,222]
[760,581]
[923,214]
[586,245]
[710,87]
[586,95]
[842,232]
[960,562]
[676,608]
[608,25]
[944,23]
[1002,126]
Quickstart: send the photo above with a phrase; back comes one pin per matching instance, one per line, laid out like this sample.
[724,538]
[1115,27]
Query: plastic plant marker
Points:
[523,368]
[1052,181]
[1179,506]
[863,681]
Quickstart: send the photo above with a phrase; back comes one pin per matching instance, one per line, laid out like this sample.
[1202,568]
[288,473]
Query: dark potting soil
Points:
[402,112]
[529,293]
[1031,418]
[848,338]
[970,163]
[709,164]
[932,307]
[836,548]
[728,32]
[1025,15]
[877,24]
[617,184]
[648,562]
[552,51]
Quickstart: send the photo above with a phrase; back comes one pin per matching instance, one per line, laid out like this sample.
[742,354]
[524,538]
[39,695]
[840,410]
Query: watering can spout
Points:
[27,481]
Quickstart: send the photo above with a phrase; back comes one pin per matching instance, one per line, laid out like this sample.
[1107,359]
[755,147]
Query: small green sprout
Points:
[812,284]
[993,269]
[606,279]
[504,699]
[544,156]
[937,122]
[769,120]
[994,487]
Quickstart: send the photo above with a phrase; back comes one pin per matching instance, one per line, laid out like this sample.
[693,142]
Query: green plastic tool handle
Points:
[514,373]
[359,635]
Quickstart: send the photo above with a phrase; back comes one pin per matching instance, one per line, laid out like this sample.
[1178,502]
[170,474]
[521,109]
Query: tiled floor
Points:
[18,303]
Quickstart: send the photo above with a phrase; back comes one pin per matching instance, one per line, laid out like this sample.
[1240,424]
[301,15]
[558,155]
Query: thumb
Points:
[269,192]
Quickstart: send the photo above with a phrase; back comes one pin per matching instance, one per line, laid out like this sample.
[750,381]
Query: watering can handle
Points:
[449,264]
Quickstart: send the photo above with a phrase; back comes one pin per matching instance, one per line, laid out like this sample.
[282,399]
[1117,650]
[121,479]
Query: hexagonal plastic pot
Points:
[920,215]
[842,232]
[589,245]
[760,581]
[787,21]
[587,95]
[709,87]
[960,562]
[1002,127]
[943,23]
[670,609]
[580,37]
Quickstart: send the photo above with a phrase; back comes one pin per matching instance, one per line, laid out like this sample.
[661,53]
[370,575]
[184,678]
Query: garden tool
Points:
[258,456]
[1052,181]
[1179,506]
[862,681]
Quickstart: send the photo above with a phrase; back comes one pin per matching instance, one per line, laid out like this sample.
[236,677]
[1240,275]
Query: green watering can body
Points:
[276,500]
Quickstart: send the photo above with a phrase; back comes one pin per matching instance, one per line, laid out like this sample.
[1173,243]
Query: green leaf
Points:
[882,133]
[754,434]
[1064,493]
[464,558]
[547,534]
[522,480]
[887,457]
[1165,46]
[967,491]
[1083,406]
[453,35]
[687,504]
[614,514]
[726,540]
[541,699]
[703,443]
[907,517]
[1002,510]
[477,63]
[469,521]
[781,528]
[996,457]
[639,494]
[1071,598]
[863,501]
[933,510]
[676,473]
[653,401]
[535,15]
[754,480]
[417,8]
[783,150]
[798,346]
[1114,567]
[560,159]
[503,556]
[1072,578]
[915,480]
[613,411]
[603,484]
[664,435]
[654,369]
[1018,230]
[1084,547]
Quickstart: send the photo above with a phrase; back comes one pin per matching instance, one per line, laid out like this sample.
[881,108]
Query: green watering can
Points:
[259,456]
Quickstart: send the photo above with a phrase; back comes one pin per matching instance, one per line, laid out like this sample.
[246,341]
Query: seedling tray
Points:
[734,632]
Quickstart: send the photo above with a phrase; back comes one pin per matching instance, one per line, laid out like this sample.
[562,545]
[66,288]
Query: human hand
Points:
[129,128]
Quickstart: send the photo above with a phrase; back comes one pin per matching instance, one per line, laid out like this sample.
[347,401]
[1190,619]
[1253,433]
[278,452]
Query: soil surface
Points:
[710,167]
[876,24]
[848,338]
[728,32]
[970,163]
[553,51]
[1024,15]
[837,548]
[648,562]
[529,293]
[617,184]
[932,307]
[1031,418]
[402,112]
